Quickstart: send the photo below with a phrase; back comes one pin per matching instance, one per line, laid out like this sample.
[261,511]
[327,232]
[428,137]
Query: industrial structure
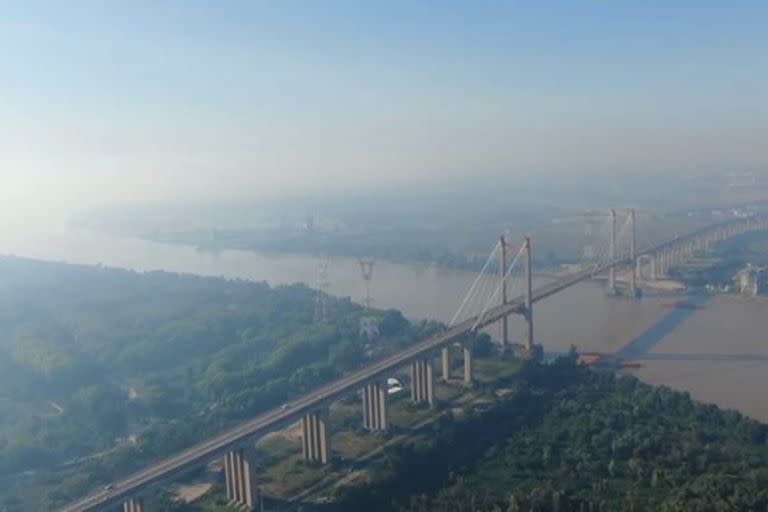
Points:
[492,298]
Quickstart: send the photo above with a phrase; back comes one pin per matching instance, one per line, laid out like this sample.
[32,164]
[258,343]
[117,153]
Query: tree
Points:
[393,323]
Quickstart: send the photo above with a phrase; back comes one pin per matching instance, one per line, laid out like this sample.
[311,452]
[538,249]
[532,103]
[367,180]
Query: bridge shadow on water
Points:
[643,344]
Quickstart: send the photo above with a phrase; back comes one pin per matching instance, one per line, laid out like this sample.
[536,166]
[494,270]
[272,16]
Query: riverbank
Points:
[582,315]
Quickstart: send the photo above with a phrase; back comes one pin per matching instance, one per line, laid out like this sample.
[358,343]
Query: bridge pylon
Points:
[504,334]
[612,255]
[528,313]
[633,288]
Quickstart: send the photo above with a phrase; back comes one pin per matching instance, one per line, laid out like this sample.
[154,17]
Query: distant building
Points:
[751,280]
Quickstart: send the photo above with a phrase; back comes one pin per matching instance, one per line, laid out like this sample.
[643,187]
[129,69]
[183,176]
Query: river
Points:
[718,353]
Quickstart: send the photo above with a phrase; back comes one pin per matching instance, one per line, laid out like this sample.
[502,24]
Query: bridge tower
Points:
[529,334]
[612,254]
[633,254]
[504,335]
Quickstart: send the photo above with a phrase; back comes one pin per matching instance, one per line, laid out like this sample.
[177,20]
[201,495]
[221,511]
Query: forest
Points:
[573,439]
[103,370]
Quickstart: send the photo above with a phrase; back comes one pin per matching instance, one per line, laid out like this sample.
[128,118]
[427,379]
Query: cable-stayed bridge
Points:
[503,287]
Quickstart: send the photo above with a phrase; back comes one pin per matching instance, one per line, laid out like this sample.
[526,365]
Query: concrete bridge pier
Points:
[469,366]
[649,261]
[654,267]
[445,363]
[661,269]
[316,444]
[674,256]
[375,406]
[133,505]
[422,382]
[240,475]
[679,255]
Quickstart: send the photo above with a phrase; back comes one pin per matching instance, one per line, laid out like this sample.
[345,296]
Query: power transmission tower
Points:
[322,284]
[366,268]
[369,325]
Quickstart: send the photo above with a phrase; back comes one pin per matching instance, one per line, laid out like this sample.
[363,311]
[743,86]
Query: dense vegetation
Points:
[570,439]
[102,370]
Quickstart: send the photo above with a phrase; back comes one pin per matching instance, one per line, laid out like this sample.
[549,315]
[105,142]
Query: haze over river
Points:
[719,353]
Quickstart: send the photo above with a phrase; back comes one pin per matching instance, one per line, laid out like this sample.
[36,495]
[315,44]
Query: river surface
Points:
[719,353]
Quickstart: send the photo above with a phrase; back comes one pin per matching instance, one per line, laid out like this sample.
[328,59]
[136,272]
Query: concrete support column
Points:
[469,370]
[660,269]
[315,437]
[654,267]
[422,382]
[240,476]
[133,505]
[445,359]
[375,406]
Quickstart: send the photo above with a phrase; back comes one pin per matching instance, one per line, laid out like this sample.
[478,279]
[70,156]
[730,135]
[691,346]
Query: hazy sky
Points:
[107,101]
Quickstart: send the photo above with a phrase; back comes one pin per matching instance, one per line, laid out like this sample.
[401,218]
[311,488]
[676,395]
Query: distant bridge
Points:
[486,303]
